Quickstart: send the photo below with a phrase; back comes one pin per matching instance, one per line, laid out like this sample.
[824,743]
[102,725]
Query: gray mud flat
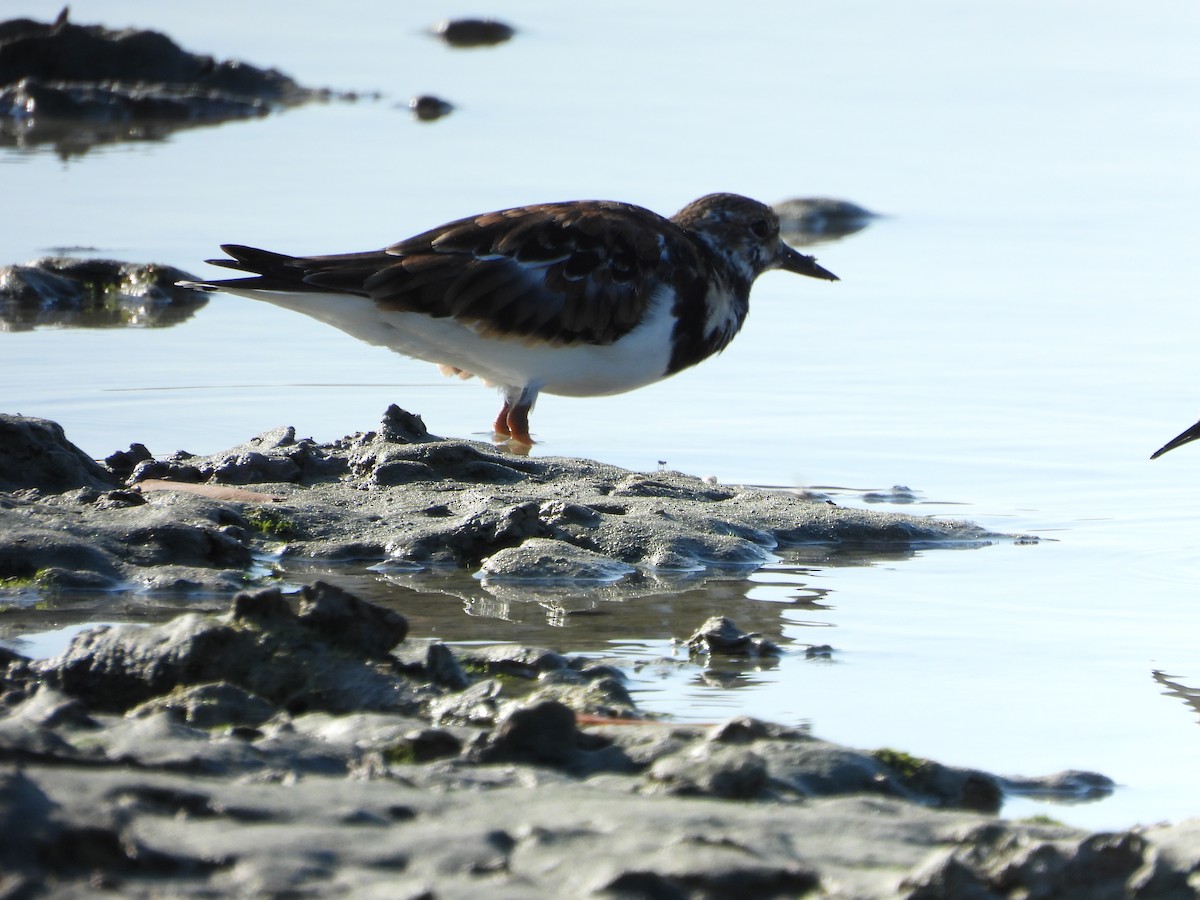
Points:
[304,745]
[395,496]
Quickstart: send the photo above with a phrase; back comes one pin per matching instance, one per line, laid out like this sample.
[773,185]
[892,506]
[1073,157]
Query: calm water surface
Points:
[1010,342]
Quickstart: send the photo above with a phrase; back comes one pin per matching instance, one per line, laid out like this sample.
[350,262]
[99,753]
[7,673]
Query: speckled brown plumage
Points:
[572,275]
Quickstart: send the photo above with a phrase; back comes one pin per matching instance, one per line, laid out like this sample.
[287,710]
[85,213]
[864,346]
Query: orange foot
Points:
[513,423]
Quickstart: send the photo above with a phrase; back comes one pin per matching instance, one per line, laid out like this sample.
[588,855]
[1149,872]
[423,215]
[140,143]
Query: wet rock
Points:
[1071,785]
[732,773]
[119,499]
[400,496]
[276,456]
[473,32]
[713,878]
[548,560]
[512,659]
[475,705]
[350,623]
[186,544]
[1099,866]
[745,730]
[279,777]
[71,52]
[810,220]
[720,636]
[313,660]
[399,426]
[428,108]
[607,697]
[165,470]
[94,293]
[78,85]
[942,785]
[35,454]
[1176,851]
[442,667]
[209,706]
[48,708]
[429,744]
[543,733]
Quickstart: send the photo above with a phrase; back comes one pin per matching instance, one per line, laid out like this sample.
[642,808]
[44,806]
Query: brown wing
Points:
[565,272]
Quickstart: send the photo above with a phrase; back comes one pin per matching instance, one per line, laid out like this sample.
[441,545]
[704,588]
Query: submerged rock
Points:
[80,85]
[547,560]
[428,108]
[720,636]
[811,220]
[94,293]
[313,659]
[473,32]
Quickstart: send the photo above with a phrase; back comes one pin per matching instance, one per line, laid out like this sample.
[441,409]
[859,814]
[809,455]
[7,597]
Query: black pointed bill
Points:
[1187,437]
[793,261]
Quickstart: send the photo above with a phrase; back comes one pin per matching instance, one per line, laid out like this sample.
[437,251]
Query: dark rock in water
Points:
[35,453]
[1070,786]
[311,660]
[473,32]
[122,462]
[79,85]
[812,220]
[70,52]
[549,561]
[94,293]
[353,624]
[428,108]
[720,635]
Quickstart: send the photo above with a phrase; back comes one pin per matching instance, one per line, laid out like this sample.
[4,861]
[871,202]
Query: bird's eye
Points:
[760,229]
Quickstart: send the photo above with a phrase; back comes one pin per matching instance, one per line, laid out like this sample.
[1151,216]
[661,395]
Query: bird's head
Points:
[745,235]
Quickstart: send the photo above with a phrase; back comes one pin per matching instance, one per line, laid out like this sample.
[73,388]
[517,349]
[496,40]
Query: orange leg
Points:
[517,423]
[500,426]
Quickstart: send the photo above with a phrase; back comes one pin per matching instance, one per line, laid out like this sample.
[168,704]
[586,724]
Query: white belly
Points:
[584,370]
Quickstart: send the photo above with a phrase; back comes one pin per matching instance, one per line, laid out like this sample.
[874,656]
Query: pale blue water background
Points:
[1011,342]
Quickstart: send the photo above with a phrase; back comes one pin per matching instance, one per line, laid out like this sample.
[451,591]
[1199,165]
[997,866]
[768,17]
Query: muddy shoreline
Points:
[303,745]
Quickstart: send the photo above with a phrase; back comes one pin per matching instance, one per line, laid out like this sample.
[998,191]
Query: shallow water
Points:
[1011,341]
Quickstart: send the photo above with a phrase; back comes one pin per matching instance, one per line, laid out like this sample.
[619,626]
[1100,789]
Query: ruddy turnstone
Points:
[1179,440]
[582,298]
